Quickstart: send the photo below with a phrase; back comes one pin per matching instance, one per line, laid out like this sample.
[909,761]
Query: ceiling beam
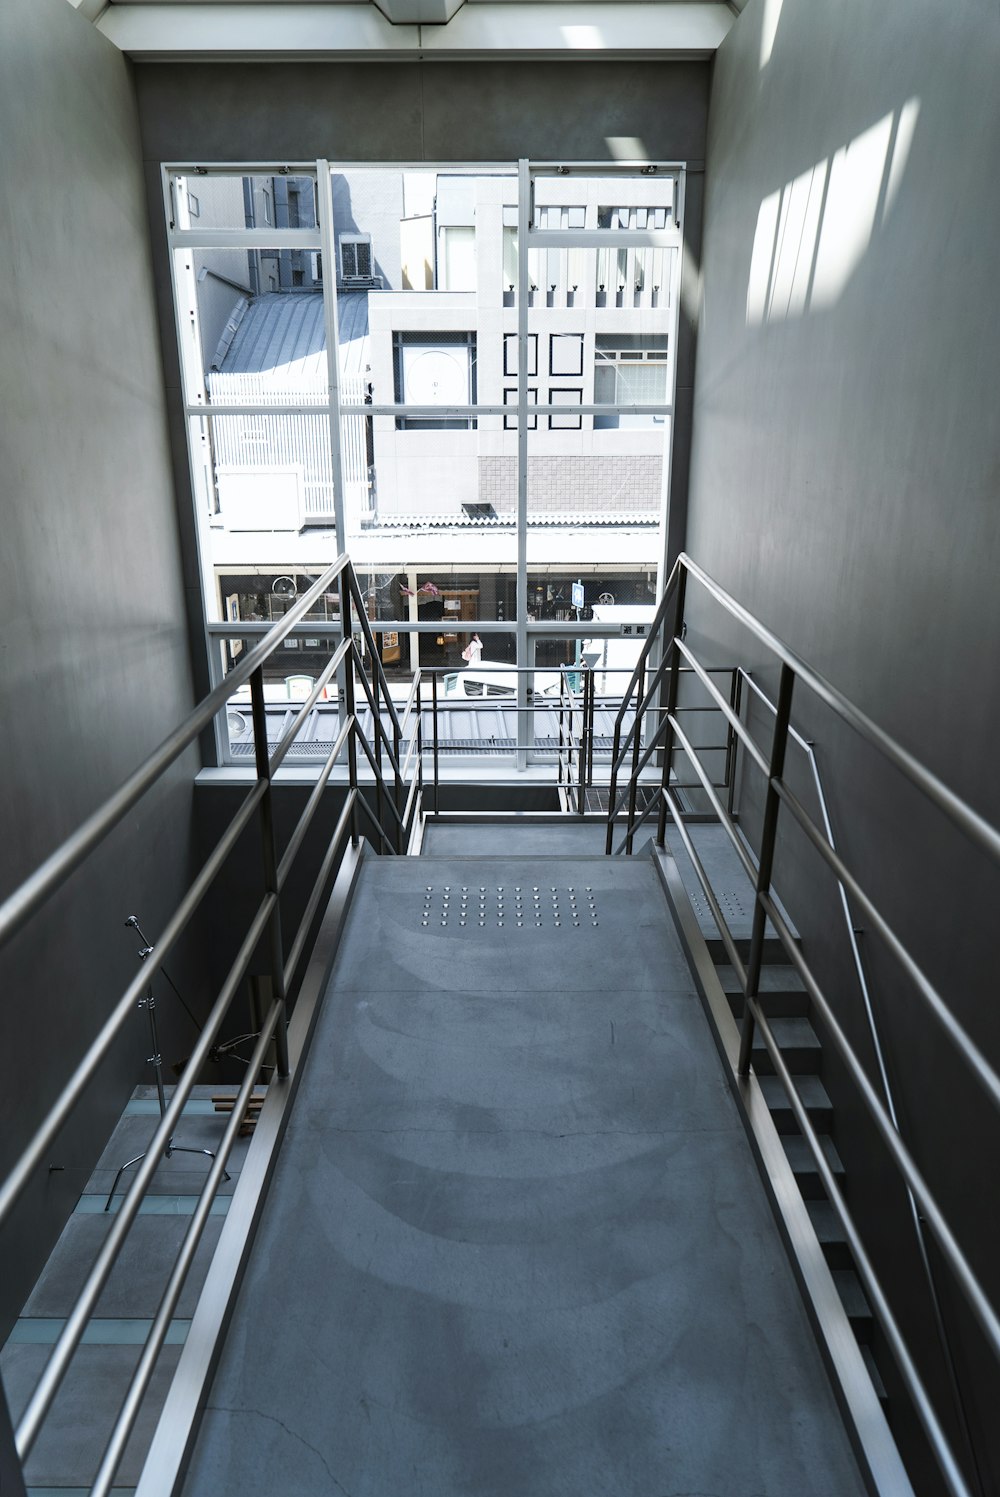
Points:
[314,32]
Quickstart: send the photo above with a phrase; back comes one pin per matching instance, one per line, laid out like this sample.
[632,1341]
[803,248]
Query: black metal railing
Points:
[653,692]
[390,822]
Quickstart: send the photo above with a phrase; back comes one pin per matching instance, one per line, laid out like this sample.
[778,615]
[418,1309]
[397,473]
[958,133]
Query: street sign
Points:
[577,594]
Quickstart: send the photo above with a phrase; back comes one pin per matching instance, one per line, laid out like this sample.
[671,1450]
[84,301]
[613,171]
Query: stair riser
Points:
[775,1005]
[785,1123]
[801,1062]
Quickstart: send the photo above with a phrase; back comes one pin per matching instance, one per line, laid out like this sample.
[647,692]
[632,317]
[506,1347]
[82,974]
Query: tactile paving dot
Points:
[510,910]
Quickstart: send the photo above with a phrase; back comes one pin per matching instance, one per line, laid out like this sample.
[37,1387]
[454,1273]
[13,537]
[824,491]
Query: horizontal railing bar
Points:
[640,711]
[362,619]
[749,867]
[379,779]
[759,692]
[411,798]
[83,1308]
[736,723]
[966,1047]
[725,934]
[25,900]
[974,825]
[115,1448]
[311,805]
[34,1155]
[374,821]
[377,723]
[873,1288]
[651,748]
[284,744]
[338,838]
[982,1310]
[653,634]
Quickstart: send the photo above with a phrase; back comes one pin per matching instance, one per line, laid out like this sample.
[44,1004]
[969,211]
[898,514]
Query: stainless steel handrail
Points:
[23,902]
[779,795]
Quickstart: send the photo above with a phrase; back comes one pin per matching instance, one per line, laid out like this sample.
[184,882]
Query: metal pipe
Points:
[34,1155]
[311,805]
[302,934]
[925,1409]
[291,733]
[983,1312]
[671,658]
[124,1424]
[975,826]
[765,862]
[83,1309]
[724,707]
[269,861]
[720,920]
[25,900]
[966,1047]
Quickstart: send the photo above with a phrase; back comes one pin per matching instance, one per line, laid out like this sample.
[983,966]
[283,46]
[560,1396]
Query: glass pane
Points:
[427,257]
[218,201]
[255,333]
[614,202]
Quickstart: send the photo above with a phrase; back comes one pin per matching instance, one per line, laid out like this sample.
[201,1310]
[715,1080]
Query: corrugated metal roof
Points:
[543,518]
[283,334]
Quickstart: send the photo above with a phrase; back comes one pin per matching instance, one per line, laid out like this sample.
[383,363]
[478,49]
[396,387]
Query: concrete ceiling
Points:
[315,29]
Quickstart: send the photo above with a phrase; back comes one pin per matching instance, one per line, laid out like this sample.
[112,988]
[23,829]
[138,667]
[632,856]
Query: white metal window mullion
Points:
[521,609]
[324,197]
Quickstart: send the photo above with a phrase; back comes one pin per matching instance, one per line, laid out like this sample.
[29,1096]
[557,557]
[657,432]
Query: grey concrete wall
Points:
[844,487]
[94,662]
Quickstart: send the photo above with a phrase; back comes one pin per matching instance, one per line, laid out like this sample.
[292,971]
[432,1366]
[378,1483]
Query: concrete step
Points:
[826,1224]
[855,1302]
[800,1157]
[873,1372]
[774,952]
[777,1003]
[799,1045]
[814,1098]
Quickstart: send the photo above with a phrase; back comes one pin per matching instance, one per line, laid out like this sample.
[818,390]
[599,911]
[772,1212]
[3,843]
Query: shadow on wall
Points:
[813,233]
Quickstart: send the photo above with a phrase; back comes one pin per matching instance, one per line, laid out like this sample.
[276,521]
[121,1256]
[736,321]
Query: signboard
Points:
[577,595]
[633,631]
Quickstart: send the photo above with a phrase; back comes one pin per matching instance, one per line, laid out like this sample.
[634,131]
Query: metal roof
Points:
[283,334]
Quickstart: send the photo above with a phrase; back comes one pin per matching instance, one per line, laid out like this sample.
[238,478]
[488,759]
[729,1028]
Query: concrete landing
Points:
[516,1245]
[527,839]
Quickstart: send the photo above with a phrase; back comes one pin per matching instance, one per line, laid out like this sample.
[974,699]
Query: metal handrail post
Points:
[736,702]
[633,786]
[270,861]
[673,690]
[434,719]
[588,720]
[582,754]
[772,805]
[352,744]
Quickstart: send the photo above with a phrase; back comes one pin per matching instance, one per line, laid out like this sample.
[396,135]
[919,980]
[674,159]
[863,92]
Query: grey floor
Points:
[72,1441]
[516,1245]
[525,839]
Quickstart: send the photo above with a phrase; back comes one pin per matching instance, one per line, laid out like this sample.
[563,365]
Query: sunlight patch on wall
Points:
[769,29]
[813,233]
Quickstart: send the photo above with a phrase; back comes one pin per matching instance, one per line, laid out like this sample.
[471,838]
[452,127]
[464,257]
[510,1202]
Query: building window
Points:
[510,398]
[567,422]
[457,258]
[566,353]
[510,354]
[629,369]
[356,257]
[434,369]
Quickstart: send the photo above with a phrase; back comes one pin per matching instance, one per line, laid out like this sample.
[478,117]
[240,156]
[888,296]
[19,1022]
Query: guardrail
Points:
[654,689]
[392,822]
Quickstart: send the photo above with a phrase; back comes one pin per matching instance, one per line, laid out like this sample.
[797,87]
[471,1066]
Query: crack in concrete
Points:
[221,1408]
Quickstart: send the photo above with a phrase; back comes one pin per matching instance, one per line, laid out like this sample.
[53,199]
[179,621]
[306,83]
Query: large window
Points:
[493,424]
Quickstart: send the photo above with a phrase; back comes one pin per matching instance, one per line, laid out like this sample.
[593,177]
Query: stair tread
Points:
[812,1093]
[873,1372]
[792,1031]
[852,1294]
[826,1222]
[773,979]
[800,1155]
